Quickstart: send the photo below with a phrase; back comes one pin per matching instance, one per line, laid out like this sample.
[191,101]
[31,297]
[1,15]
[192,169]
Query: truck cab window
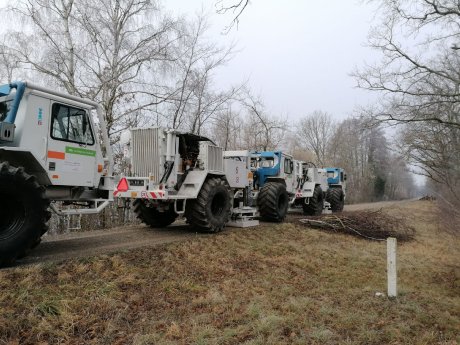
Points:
[4,109]
[71,124]
[288,166]
[266,163]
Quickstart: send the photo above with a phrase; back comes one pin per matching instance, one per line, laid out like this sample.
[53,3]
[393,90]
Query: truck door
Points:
[289,175]
[71,158]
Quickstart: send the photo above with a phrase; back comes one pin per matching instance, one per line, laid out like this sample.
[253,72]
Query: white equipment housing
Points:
[314,177]
[237,166]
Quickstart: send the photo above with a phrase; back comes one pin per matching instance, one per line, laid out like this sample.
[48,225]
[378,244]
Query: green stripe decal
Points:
[80,151]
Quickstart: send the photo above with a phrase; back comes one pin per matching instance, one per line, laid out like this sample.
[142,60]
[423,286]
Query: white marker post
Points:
[391,266]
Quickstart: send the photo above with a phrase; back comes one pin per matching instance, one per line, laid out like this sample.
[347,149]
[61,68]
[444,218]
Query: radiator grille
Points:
[212,156]
[146,152]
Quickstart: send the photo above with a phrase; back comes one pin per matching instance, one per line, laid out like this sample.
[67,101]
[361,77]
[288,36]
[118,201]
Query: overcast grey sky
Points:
[297,54]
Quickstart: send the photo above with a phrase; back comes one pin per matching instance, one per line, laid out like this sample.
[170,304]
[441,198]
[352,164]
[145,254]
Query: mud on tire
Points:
[336,198]
[316,203]
[152,217]
[210,211]
[273,202]
[24,213]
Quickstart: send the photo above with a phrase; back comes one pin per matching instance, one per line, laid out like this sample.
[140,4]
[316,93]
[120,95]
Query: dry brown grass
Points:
[280,284]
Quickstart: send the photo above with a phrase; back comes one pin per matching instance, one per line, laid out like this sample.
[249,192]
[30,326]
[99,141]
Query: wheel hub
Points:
[218,204]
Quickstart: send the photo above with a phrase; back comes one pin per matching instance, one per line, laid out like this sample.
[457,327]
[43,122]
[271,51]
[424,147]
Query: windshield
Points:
[266,162]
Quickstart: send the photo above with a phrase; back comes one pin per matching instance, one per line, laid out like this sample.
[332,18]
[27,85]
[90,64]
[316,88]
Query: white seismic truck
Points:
[49,151]
[175,173]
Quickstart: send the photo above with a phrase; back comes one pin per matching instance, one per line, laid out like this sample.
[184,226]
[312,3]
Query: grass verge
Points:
[276,284]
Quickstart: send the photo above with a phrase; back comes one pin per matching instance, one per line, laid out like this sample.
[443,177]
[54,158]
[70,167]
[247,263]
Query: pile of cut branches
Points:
[372,225]
[428,198]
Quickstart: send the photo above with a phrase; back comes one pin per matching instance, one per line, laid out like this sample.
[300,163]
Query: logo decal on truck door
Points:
[40,117]
[80,151]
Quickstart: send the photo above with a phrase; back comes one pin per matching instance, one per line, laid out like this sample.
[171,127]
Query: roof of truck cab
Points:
[271,154]
[59,96]
[62,100]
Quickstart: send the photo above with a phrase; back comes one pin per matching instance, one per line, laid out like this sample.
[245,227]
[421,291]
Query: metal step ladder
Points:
[243,217]
[73,222]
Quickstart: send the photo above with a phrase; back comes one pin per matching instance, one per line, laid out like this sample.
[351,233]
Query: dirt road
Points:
[75,245]
[376,205]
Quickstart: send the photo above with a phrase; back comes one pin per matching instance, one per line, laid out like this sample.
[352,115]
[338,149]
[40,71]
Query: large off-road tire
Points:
[210,211]
[152,217]
[273,202]
[336,198]
[316,203]
[24,213]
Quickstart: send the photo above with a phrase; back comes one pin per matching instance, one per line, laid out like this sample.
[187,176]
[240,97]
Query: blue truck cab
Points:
[273,183]
[273,166]
[267,165]
[335,176]
[336,193]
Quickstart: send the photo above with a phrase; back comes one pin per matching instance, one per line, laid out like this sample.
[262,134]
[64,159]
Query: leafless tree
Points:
[416,84]
[142,65]
[8,63]
[103,50]
[418,80]
[227,129]
[235,7]
[374,171]
[399,182]
[262,131]
[194,98]
[295,148]
[435,152]
[189,51]
[314,133]
[128,40]
[349,149]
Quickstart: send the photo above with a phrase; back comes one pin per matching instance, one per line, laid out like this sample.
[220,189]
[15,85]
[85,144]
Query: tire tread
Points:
[267,200]
[37,226]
